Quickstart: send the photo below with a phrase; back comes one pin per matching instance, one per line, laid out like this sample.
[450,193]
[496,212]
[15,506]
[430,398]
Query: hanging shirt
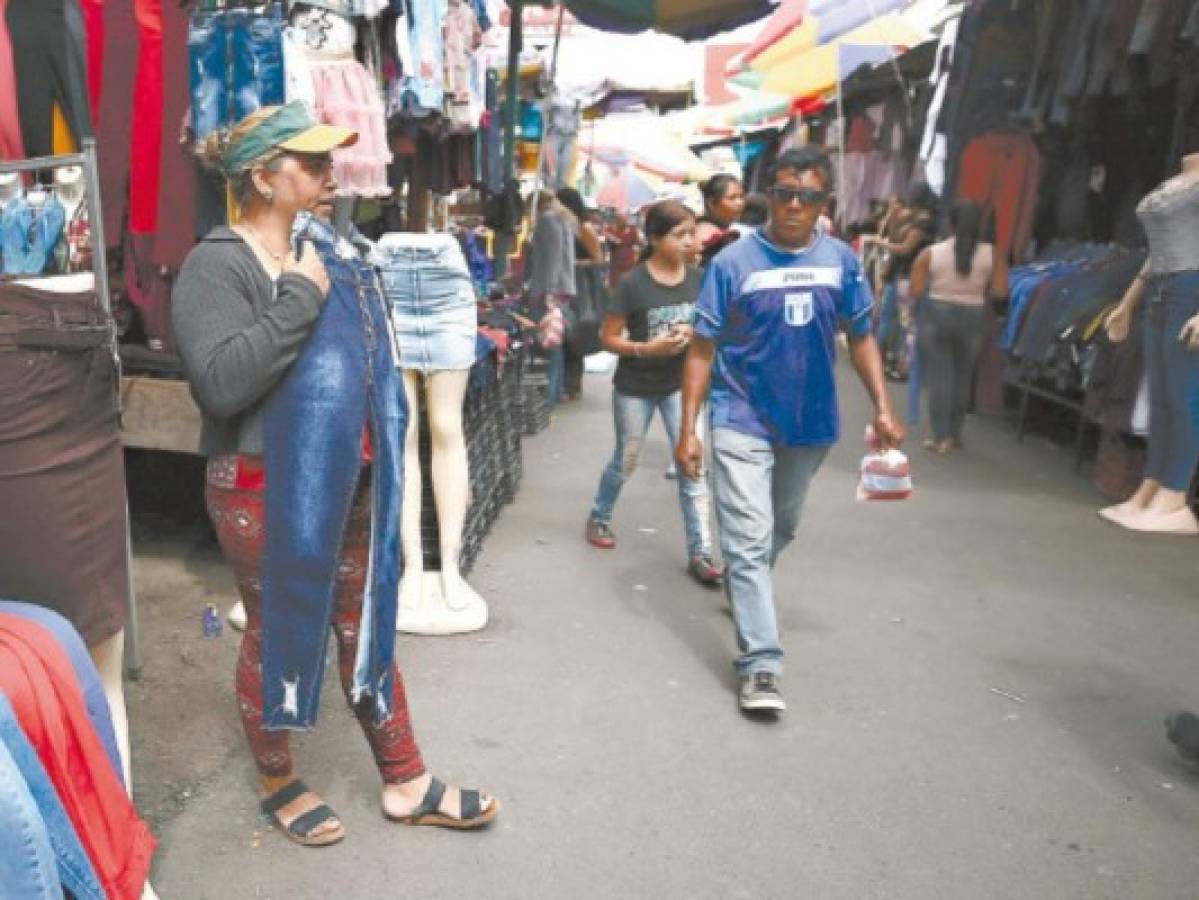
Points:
[773,314]
[29,233]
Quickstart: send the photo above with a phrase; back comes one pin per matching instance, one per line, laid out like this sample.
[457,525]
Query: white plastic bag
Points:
[885,474]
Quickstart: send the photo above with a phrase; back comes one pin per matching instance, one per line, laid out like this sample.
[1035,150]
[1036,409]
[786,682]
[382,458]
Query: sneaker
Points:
[600,535]
[760,693]
[671,472]
[703,570]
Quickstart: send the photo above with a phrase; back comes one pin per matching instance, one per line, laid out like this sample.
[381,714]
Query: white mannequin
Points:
[69,188]
[10,187]
[1153,507]
[442,602]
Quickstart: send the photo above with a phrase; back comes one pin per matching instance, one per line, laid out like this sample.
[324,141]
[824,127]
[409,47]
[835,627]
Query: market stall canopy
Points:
[870,82]
[818,70]
[826,21]
[786,19]
[645,141]
[593,65]
[692,20]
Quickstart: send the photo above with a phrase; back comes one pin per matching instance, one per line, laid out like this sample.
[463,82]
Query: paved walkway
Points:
[977,679]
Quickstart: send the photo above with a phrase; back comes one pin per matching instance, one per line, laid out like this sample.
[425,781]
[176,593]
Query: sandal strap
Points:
[432,799]
[285,795]
[304,825]
[472,805]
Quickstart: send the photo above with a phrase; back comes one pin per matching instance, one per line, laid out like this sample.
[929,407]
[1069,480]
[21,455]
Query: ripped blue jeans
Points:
[632,416]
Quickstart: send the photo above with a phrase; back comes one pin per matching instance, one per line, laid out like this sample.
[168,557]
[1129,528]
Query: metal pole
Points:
[503,240]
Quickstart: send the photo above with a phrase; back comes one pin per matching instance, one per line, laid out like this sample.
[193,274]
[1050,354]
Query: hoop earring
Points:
[268,196]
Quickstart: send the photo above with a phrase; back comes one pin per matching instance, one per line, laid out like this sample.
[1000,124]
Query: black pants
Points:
[48,57]
[950,339]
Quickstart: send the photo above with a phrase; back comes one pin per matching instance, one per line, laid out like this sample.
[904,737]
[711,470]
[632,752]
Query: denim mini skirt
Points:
[427,284]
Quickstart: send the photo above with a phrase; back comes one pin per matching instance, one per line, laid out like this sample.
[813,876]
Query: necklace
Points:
[253,234]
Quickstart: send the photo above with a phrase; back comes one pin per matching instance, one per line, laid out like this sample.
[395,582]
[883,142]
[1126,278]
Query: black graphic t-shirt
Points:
[650,310]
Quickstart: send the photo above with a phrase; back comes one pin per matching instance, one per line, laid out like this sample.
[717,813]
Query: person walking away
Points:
[765,342]
[650,329]
[957,274]
[244,308]
[552,282]
[589,257]
[724,202]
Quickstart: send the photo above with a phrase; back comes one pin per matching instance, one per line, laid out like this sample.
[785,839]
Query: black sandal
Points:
[301,828]
[473,814]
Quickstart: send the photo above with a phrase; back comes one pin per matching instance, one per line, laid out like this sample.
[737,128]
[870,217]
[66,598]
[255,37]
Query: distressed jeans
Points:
[633,416]
[760,490]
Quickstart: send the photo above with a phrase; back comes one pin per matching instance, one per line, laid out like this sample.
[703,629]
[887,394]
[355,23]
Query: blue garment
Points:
[235,64]
[344,378]
[632,417]
[22,855]
[433,306]
[94,698]
[774,316]
[1173,372]
[423,91]
[760,491]
[29,233]
[1023,283]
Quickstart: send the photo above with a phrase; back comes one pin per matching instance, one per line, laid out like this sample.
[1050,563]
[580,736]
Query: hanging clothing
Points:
[62,460]
[29,232]
[1002,172]
[40,684]
[11,143]
[48,58]
[344,377]
[461,37]
[346,95]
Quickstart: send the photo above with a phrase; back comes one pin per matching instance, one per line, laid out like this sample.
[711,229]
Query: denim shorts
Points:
[235,64]
[428,286]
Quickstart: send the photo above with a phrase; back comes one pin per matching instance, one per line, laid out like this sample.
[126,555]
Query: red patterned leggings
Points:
[234,494]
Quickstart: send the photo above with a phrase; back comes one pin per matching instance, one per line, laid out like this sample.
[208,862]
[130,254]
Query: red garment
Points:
[40,682]
[12,145]
[146,153]
[1002,172]
[93,25]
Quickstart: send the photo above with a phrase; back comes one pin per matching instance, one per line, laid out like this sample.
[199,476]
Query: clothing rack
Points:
[86,160]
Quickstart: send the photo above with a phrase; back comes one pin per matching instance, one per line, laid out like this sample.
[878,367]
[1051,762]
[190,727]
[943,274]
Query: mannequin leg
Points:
[410,536]
[109,658]
[451,481]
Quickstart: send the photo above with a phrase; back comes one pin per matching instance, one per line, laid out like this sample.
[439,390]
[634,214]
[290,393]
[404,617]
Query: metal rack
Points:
[86,160]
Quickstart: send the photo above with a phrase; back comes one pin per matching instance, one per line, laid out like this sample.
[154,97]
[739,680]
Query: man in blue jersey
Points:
[765,343]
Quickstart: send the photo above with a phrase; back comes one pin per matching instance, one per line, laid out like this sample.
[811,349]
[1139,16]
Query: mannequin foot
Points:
[459,596]
[433,615]
[148,892]
[428,801]
[1179,521]
[1118,513]
[411,589]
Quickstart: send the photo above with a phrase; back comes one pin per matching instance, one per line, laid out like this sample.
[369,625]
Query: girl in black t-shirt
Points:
[649,328]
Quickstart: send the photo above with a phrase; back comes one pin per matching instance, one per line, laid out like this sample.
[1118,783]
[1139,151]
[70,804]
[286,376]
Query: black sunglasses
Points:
[805,195]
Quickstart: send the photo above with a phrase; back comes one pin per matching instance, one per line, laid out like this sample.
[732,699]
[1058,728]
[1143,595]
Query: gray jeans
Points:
[759,489]
[950,339]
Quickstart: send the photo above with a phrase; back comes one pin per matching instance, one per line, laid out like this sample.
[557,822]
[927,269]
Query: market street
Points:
[976,678]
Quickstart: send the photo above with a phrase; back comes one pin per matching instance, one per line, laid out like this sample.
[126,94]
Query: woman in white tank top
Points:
[957,275]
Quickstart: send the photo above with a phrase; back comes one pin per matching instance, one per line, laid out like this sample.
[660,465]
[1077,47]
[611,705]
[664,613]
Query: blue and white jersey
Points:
[774,315]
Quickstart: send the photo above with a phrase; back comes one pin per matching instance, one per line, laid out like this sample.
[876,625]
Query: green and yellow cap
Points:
[290,127]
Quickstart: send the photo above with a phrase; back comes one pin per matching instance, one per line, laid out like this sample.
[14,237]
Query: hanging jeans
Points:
[29,233]
[236,65]
[234,495]
[632,416]
[39,849]
[950,339]
[1173,373]
[428,286]
[60,455]
[344,378]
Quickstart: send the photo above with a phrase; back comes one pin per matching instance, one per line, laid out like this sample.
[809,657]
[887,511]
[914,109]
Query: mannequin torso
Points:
[1170,216]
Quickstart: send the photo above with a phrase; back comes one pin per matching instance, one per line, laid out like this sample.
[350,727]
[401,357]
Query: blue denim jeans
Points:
[760,490]
[39,849]
[235,62]
[1173,373]
[556,374]
[888,316]
[632,416]
[345,378]
[72,644]
[421,92]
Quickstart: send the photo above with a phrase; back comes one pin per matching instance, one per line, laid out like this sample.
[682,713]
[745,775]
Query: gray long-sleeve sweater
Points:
[237,334]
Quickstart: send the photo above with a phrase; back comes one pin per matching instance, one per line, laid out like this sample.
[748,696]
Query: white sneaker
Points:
[760,693]
[236,617]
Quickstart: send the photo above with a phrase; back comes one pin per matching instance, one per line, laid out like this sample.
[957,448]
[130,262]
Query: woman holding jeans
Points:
[957,274]
[649,328]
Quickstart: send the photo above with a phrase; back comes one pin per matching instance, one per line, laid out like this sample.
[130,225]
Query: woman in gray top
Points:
[243,309]
[552,275]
